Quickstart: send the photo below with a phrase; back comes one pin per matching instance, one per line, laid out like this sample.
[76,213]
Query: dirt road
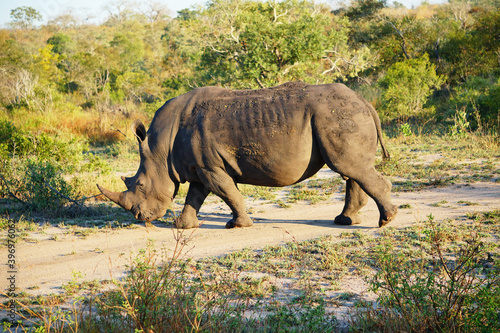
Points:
[46,265]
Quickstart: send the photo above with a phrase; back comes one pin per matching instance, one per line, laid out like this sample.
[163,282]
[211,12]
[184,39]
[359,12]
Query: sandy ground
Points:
[47,264]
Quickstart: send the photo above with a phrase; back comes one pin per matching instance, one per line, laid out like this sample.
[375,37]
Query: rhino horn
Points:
[117,198]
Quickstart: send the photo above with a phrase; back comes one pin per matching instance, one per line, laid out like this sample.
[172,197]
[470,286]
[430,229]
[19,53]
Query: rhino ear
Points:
[139,130]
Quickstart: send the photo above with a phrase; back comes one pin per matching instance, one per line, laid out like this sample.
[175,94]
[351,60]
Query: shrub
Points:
[304,318]
[21,143]
[406,87]
[163,294]
[41,186]
[436,288]
[479,99]
[32,167]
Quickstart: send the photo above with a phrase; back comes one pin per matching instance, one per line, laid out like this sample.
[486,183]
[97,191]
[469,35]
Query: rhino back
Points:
[261,137]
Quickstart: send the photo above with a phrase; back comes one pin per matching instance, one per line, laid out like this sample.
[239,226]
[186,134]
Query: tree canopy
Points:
[139,57]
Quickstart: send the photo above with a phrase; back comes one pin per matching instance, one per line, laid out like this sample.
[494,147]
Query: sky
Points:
[95,8]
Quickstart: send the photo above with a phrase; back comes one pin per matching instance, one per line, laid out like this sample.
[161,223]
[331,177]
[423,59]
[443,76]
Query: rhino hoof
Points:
[345,220]
[388,218]
[181,223]
[239,223]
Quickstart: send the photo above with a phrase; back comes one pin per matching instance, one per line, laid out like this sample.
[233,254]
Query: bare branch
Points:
[76,202]
[399,32]
[61,195]
[235,38]
[259,83]
[154,11]
[214,49]
[9,191]
[334,66]
[276,16]
[118,130]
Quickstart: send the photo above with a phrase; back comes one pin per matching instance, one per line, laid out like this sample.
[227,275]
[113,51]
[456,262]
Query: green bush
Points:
[95,163]
[304,318]
[437,287]
[164,296]
[32,167]
[21,143]
[43,187]
[406,87]
[479,99]
[38,184]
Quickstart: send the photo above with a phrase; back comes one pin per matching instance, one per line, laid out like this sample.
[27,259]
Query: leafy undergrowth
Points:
[418,162]
[433,276]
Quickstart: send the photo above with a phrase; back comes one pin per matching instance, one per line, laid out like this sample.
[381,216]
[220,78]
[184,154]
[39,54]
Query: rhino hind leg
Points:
[378,188]
[364,179]
[197,193]
[222,185]
[355,199]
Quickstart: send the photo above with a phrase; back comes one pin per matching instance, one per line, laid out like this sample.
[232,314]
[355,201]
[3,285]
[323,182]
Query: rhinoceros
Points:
[215,138]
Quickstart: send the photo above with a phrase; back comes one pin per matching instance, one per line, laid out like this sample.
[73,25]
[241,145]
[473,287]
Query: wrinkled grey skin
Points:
[214,138]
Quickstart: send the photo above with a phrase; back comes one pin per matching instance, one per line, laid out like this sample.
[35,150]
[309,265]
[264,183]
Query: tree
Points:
[61,43]
[24,17]
[186,14]
[130,48]
[407,86]
[261,44]
[154,12]
[475,50]
[364,9]
[119,11]
[12,53]
[66,20]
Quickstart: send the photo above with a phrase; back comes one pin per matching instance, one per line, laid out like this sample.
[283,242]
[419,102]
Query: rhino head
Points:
[151,191]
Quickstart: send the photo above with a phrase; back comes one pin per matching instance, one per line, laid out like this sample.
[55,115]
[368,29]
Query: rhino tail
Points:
[385,153]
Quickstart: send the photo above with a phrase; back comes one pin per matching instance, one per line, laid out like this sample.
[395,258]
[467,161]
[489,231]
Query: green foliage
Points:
[437,288]
[405,130]
[95,163]
[362,9]
[37,183]
[272,42]
[62,43]
[186,14]
[25,16]
[477,102]
[162,296]
[134,59]
[42,186]
[407,86]
[12,53]
[20,143]
[460,126]
[472,50]
[306,318]
[129,47]
[33,165]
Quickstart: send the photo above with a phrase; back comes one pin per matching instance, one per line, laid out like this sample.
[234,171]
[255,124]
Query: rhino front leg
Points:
[355,199]
[222,185]
[197,193]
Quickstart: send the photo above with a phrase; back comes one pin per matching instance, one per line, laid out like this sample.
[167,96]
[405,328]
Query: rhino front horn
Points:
[117,198]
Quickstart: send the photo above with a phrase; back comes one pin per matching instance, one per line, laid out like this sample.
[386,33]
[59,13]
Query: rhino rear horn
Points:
[127,181]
